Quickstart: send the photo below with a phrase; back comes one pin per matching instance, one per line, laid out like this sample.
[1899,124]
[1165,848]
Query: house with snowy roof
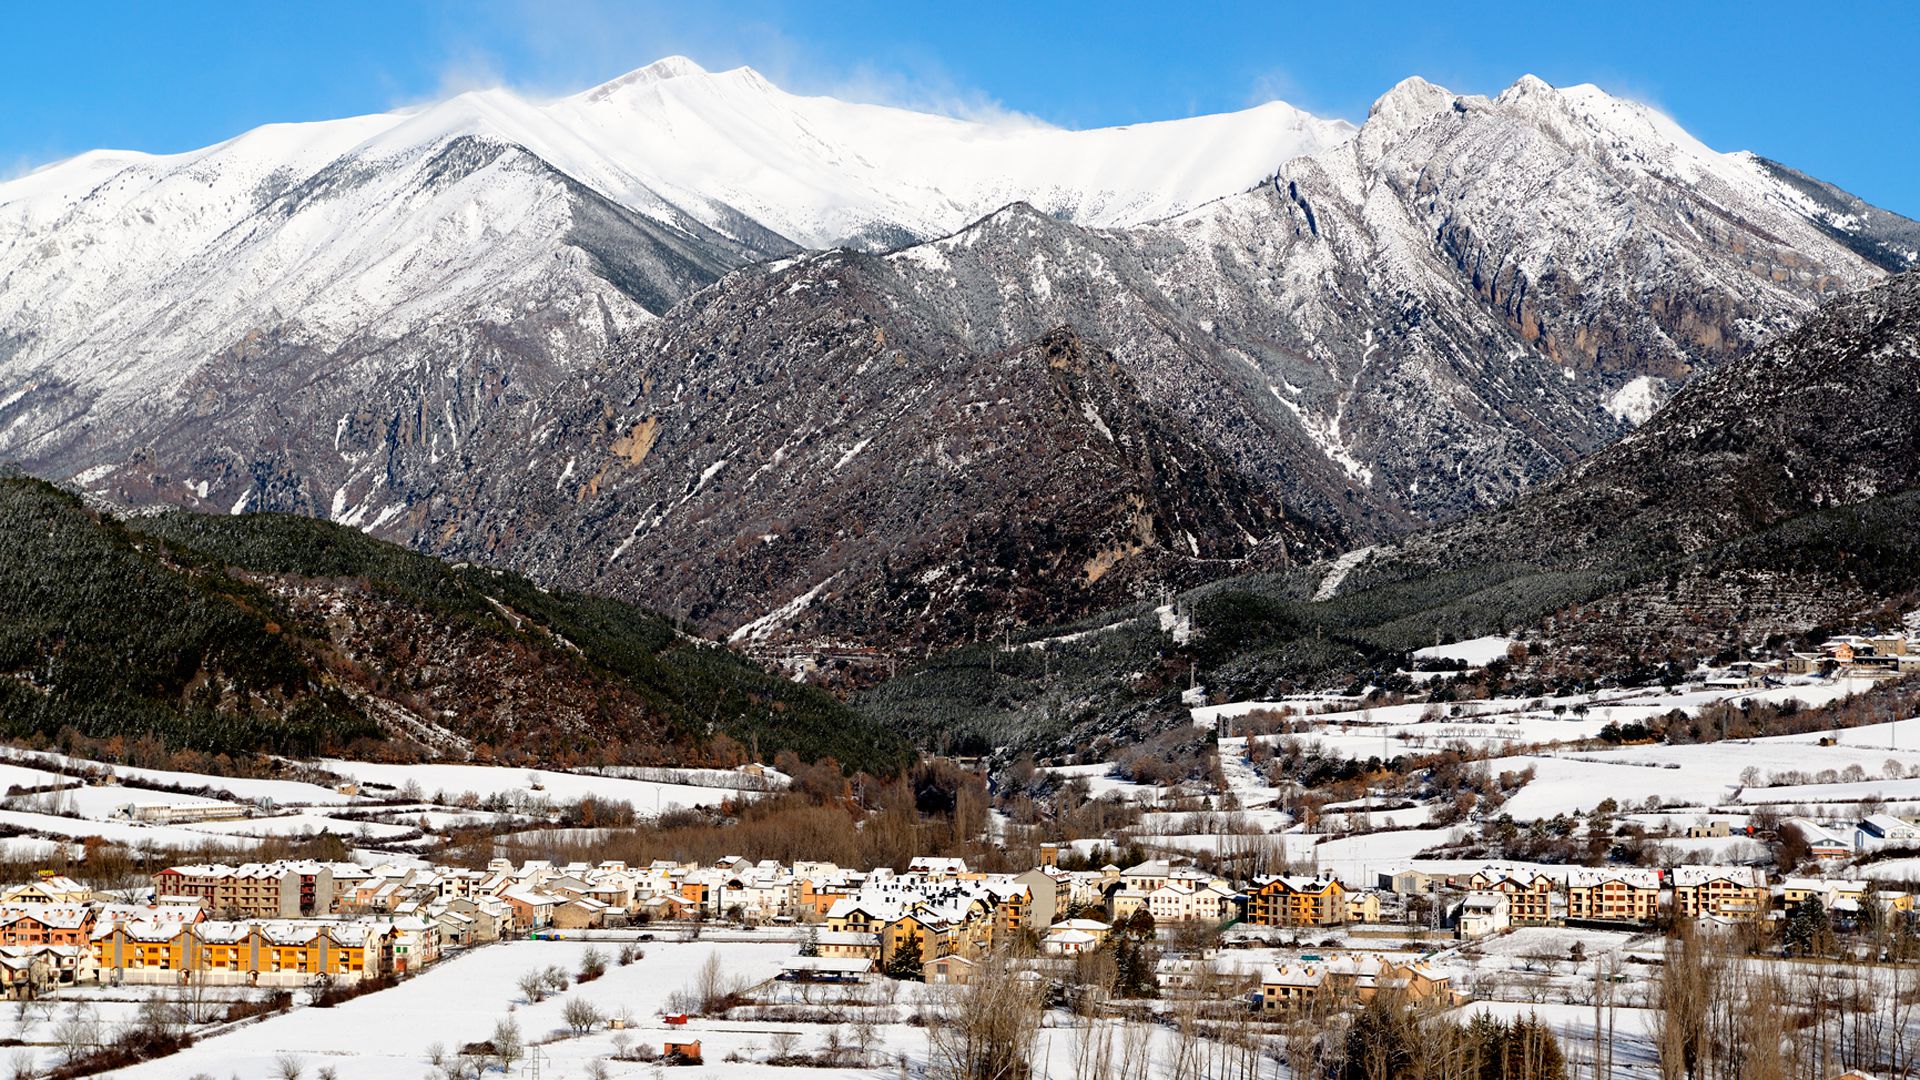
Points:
[1878,831]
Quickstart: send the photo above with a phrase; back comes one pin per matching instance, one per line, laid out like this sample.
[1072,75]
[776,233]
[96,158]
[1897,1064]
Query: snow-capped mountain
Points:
[136,287]
[597,337]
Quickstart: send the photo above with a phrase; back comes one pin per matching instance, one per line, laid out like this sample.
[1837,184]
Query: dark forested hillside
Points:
[285,634]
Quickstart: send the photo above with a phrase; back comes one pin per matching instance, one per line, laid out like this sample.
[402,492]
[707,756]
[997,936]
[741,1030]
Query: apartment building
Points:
[1724,892]
[1614,894]
[1297,901]
[279,890]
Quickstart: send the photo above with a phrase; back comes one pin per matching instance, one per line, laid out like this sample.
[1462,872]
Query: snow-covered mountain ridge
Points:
[597,337]
[124,277]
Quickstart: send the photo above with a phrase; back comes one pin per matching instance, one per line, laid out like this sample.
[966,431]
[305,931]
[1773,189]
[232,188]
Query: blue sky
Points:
[1825,88]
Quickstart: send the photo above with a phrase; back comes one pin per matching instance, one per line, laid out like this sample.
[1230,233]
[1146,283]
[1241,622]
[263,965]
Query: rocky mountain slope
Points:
[550,336]
[809,450]
[1775,498]
[1825,416]
[235,635]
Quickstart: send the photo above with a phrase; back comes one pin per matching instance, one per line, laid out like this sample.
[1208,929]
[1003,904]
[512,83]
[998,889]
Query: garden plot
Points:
[488,781]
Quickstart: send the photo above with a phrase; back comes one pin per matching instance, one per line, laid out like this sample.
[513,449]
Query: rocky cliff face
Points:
[799,457]
[1826,416]
[1451,305]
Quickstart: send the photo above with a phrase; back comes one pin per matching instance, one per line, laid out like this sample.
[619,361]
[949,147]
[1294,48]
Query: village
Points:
[304,923]
[1273,948]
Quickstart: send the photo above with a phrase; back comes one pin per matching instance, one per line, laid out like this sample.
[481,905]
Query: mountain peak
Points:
[1524,86]
[661,70]
[1411,100]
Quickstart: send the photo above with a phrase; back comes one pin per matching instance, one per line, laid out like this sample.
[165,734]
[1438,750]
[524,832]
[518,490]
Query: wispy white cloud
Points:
[19,165]
[922,91]
[1274,84]
[566,46]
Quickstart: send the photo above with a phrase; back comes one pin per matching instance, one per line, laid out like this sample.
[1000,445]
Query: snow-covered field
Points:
[1100,783]
[486,781]
[385,1036]
[124,832]
[25,776]
[301,824]
[1710,774]
[1505,723]
[1479,652]
[75,809]
[101,803]
[287,792]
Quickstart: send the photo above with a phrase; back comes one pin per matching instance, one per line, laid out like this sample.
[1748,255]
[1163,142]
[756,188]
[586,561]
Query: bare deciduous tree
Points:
[580,1016]
[508,1044]
[986,1027]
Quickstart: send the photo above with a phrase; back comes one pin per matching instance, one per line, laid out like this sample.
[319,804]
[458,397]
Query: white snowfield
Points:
[125,832]
[300,824]
[285,792]
[1479,652]
[672,136]
[385,1036]
[1497,723]
[647,796]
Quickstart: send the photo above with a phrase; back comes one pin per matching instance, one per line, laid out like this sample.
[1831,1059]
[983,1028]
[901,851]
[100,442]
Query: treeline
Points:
[1389,1039]
[935,808]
